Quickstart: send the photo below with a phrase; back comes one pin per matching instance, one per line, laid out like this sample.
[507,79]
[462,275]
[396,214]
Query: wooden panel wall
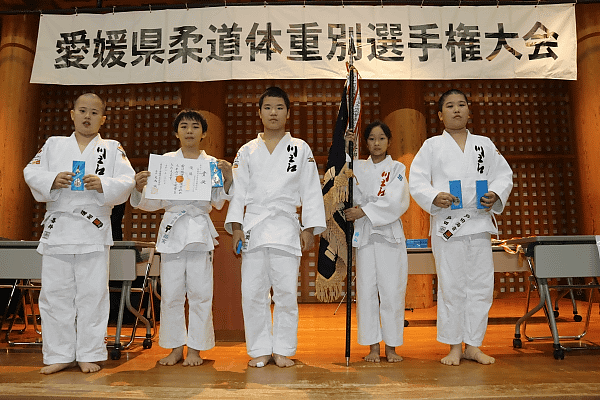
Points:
[530,123]
[528,120]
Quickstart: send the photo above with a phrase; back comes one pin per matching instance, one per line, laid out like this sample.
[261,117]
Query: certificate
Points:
[174,178]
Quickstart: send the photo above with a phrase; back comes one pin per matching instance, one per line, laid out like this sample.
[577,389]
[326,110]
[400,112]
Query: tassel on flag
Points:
[333,259]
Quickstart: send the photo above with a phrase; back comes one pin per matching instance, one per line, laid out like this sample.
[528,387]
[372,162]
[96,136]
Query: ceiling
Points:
[127,5]
[33,5]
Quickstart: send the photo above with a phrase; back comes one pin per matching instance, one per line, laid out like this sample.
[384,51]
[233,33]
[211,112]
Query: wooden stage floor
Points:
[321,372]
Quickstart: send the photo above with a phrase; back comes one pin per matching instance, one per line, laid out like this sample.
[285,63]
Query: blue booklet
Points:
[79,171]
[456,191]
[481,188]
[216,175]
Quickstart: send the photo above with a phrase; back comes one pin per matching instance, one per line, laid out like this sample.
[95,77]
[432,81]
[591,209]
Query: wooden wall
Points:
[530,122]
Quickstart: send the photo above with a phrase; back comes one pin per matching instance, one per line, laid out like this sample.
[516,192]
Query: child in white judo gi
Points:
[462,181]
[186,242]
[273,174]
[80,178]
[380,196]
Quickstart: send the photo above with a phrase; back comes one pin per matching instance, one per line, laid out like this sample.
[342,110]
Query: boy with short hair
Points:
[273,175]
[186,242]
[80,178]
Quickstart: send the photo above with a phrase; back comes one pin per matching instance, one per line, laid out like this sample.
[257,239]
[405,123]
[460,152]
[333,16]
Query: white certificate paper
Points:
[174,178]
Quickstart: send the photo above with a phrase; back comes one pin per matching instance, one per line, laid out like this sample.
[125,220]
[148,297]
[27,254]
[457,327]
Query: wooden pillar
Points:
[403,111]
[19,122]
[585,105]
[209,99]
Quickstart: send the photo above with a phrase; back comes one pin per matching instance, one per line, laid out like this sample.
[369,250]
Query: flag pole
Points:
[350,224]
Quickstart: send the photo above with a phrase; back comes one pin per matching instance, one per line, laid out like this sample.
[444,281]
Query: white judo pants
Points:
[262,269]
[465,271]
[186,273]
[381,277]
[74,307]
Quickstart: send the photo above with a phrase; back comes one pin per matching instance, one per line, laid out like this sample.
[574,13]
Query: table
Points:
[19,260]
[557,257]
[421,261]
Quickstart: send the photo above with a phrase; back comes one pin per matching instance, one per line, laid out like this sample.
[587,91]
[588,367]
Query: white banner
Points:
[312,42]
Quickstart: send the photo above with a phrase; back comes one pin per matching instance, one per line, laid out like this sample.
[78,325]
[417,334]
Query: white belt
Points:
[262,213]
[190,210]
[265,212]
[180,211]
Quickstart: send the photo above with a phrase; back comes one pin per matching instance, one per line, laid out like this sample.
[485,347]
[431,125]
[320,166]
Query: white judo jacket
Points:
[271,186]
[185,223]
[381,190]
[440,160]
[75,218]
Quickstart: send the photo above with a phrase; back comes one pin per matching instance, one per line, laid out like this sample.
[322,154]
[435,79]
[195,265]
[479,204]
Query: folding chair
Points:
[149,269]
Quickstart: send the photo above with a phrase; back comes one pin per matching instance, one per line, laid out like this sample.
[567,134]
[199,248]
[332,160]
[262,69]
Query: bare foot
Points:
[52,368]
[453,358]
[282,361]
[373,356]
[475,354]
[193,358]
[259,362]
[390,354]
[87,367]
[173,358]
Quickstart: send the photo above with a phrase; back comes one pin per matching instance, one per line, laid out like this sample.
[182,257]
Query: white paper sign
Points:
[174,178]
[308,42]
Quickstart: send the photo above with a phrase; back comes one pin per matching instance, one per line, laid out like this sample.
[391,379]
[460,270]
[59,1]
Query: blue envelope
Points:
[216,175]
[79,171]
[456,191]
[481,188]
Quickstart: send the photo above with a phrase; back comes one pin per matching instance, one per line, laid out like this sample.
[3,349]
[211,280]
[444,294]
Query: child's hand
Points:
[62,180]
[488,200]
[349,137]
[93,182]
[141,179]
[225,167]
[238,235]
[352,214]
[307,239]
[444,200]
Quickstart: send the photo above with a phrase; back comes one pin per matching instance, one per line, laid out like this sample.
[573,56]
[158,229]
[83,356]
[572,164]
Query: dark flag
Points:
[333,250]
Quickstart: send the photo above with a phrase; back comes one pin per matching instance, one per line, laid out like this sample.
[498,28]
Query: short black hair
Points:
[448,93]
[374,124]
[275,91]
[191,115]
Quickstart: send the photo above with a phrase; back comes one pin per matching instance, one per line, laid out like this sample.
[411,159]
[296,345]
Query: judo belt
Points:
[88,216]
[180,211]
[450,225]
[264,213]
[84,213]
[361,232]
